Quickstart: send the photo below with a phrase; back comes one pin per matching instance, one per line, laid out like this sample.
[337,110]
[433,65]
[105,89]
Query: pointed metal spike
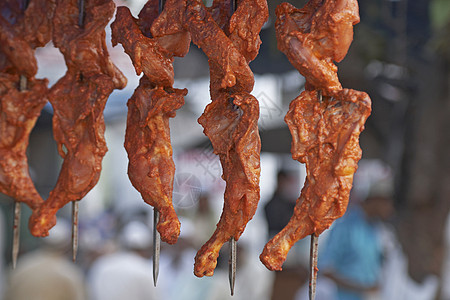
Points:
[156,246]
[74,230]
[23,82]
[81,13]
[313,266]
[162,3]
[232,264]
[16,233]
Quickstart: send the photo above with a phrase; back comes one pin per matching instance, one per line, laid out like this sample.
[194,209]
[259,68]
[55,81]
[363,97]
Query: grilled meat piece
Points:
[78,101]
[152,41]
[231,119]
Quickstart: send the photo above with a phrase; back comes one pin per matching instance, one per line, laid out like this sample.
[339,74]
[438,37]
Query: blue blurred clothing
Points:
[353,251]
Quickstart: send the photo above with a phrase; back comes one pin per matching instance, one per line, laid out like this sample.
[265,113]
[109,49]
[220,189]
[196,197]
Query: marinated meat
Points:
[146,54]
[325,129]
[152,41]
[231,119]
[37,25]
[245,25]
[151,168]
[22,97]
[325,136]
[207,35]
[19,111]
[17,51]
[316,35]
[78,100]
[23,29]
[231,123]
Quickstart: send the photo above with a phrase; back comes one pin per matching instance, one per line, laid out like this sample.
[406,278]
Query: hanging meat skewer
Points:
[24,26]
[325,120]
[230,120]
[147,140]
[152,41]
[78,100]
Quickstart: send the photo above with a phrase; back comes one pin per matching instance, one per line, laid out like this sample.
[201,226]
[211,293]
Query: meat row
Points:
[325,120]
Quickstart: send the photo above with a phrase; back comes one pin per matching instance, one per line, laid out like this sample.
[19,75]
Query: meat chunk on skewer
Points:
[152,41]
[22,29]
[326,129]
[147,55]
[316,35]
[231,119]
[78,101]
[151,168]
[231,123]
[17,51]
[19,111]
[218,47]
[326,138]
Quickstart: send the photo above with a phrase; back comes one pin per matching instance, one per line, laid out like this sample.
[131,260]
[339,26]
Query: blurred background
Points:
[400,56]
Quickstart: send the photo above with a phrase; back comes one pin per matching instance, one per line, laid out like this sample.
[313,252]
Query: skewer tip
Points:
[313,266]
[156,246]
[232,265]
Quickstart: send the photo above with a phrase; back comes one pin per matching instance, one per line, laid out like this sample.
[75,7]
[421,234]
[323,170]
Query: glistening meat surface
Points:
[316,35]
[22,97]
[325,130]
[326,138]
[78,101]
[231,120]
[152,41]
[19,111]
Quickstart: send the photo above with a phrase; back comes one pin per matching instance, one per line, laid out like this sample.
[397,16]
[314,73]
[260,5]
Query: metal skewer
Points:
[23,82]
[156,235]
[232,242]
[74,230]
[17,205]
[16,233]
[161,5]
[232,264]
[156,246]
[313,266]
[314,248]
[75,204]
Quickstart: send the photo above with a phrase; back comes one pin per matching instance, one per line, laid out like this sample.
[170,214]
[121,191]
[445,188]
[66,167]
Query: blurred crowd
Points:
[359,258]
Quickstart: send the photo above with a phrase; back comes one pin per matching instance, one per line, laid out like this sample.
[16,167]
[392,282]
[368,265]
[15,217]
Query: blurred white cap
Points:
[59,235]
[136,235]
[372,179]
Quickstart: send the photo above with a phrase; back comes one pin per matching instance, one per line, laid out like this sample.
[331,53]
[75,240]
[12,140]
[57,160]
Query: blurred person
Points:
[362,257]
[280,207]
[253,280]
[127,272]
[178,281]
[353,254]
[204,220]
[48,273]
[278,212]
